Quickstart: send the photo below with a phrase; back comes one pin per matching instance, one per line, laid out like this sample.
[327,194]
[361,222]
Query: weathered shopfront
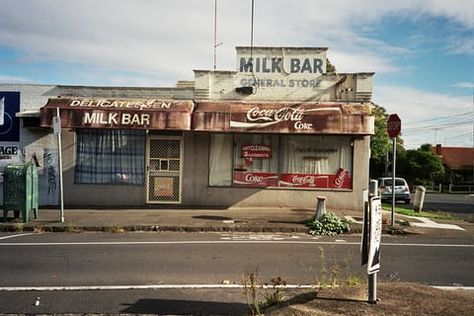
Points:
[279,131]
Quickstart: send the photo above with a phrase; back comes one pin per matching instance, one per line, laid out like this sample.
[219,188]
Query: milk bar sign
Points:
[120,113]
[283,67]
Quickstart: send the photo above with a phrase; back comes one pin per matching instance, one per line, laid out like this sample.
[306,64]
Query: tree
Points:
[379,143]
[330,68]
[420,166]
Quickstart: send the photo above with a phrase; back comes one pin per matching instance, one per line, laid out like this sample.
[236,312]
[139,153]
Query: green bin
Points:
[20,190]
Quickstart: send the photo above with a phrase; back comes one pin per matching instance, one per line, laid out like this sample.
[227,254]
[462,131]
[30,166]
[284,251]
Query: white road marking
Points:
[427,223]
[179,286]
[19,235]
[149,287]
[219,242]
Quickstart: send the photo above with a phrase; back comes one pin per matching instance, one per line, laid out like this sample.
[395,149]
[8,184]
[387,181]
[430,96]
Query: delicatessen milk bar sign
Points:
[119,113]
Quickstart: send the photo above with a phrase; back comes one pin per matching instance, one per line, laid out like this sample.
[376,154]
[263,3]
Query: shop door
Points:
[164,166]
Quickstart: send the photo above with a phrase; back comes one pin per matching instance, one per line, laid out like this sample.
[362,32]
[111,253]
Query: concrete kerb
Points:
[72,228]
[61,228]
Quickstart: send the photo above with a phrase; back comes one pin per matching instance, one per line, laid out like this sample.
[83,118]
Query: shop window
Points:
[255,160]
[316,162]
[290,161]
[110,157]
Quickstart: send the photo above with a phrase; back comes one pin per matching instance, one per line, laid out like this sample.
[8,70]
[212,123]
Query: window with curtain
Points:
[316,161]
[106,156]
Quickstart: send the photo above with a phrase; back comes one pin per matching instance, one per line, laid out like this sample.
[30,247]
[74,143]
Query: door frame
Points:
[147,167]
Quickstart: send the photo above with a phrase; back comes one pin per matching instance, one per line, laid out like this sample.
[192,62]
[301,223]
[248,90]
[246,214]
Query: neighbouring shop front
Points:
[276,133]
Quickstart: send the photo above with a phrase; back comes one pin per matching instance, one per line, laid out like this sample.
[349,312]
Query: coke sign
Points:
[394,125]
[255,179]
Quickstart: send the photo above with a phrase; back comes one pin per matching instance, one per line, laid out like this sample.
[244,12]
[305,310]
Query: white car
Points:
[402,191]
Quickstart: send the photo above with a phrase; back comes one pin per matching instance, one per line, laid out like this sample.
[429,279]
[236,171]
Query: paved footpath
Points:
[230,219]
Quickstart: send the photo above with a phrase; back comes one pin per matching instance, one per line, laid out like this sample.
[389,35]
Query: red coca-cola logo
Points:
[251,178]
[303,180]
[340,177]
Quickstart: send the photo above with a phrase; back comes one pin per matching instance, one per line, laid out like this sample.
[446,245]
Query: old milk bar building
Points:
[278,131]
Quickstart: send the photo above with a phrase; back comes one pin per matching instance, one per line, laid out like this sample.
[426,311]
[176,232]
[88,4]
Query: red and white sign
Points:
[256,151]
[341,180]
[394,125]
[256,179]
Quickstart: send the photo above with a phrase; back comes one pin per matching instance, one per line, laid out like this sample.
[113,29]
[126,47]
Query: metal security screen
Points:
[164,170]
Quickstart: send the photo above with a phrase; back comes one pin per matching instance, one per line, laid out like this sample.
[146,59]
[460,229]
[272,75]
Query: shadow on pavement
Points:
[185,307]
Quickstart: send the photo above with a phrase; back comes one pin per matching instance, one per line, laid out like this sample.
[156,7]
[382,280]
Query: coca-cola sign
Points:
[341,180]
[275,115]
[286,118]
[256,179]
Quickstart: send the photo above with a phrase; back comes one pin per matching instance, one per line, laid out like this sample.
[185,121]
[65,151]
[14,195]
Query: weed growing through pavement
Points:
[19,227]
[71,228]
[113,229]
[254,291]
[336,275]
[251,287]
[38,229]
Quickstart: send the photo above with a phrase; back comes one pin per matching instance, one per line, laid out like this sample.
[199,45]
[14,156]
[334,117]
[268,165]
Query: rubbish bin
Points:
[20,190]
[419,198]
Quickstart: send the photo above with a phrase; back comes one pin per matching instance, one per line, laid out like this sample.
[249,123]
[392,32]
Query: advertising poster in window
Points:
[255,179]
[340,180]
[253,167]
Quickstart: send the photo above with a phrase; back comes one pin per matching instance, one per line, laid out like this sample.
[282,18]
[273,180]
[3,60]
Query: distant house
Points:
[459,162]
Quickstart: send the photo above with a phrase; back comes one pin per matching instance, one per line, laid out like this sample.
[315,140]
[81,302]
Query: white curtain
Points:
[316,154]
[220,160]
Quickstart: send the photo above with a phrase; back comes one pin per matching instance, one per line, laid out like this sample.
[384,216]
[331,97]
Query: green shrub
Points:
[328,224]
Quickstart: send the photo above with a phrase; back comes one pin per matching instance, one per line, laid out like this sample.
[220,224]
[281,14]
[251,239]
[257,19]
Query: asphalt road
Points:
[155,270]
[461,205]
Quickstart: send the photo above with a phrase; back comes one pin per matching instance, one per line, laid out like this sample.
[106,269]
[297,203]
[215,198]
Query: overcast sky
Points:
[421,51]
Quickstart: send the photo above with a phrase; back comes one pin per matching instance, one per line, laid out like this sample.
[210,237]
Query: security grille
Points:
[164,170]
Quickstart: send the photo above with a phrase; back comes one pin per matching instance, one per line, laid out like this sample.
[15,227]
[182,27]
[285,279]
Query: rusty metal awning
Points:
[119,113]
[284,117]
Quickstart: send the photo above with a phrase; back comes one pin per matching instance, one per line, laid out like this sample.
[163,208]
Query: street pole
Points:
[57,131]
[394,162]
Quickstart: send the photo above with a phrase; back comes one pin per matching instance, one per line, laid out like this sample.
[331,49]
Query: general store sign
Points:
[281,67]
[119,113]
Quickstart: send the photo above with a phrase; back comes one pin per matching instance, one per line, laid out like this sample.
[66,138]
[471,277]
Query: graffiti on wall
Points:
[49,180]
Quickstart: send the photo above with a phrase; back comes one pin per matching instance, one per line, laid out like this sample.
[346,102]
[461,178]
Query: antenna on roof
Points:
[215,34]
[251,30]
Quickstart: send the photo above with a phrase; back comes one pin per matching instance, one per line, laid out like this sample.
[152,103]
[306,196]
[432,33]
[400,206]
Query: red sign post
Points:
[394,125]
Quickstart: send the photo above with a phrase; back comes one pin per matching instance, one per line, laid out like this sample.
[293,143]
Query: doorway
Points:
[164,169]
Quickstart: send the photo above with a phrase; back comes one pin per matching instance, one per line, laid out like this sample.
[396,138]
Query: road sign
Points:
[375,235]
[394,125]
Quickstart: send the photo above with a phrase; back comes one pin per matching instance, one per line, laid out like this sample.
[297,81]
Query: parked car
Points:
[402,191]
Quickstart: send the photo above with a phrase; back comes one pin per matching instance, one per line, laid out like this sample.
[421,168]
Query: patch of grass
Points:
[19,227]
[38,229]
[71,228]
[113,229]
[427,214]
